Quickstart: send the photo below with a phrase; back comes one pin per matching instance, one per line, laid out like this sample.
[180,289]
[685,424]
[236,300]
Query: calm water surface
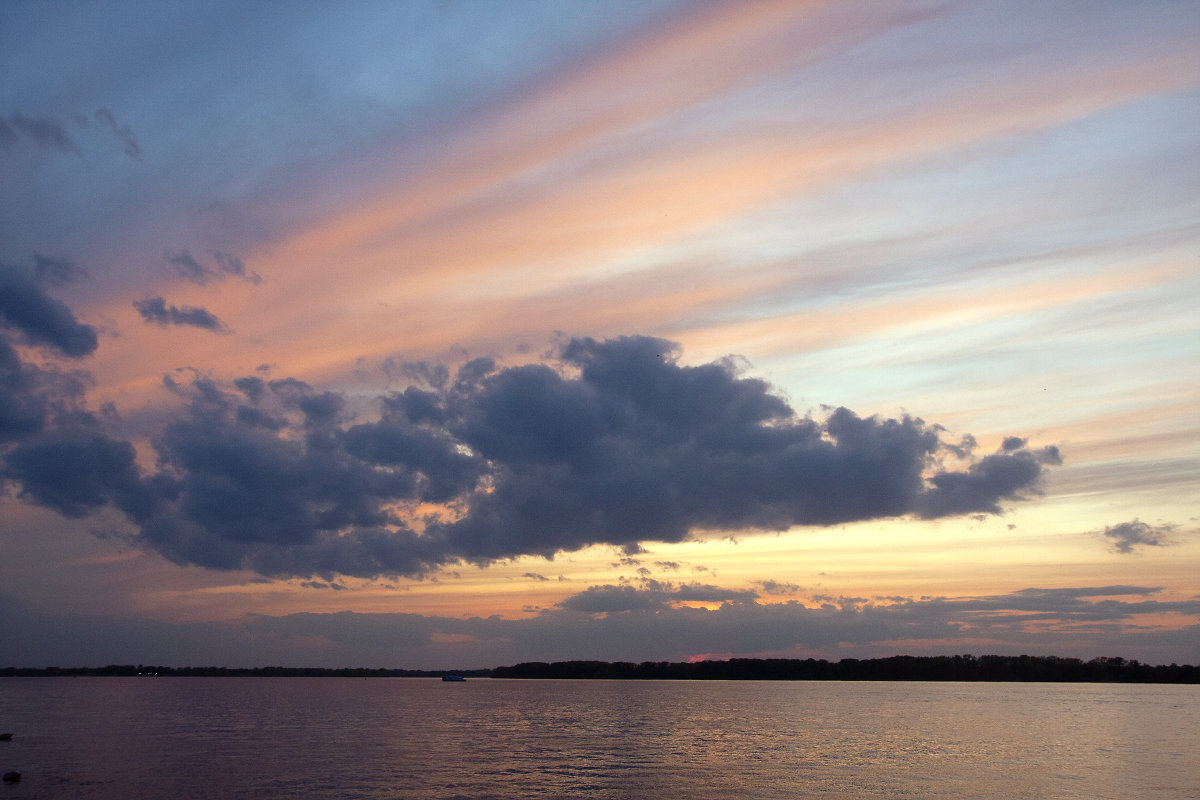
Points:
[165,738]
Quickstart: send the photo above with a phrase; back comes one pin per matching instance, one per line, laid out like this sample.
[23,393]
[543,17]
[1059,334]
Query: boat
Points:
[5,737]
[453,678]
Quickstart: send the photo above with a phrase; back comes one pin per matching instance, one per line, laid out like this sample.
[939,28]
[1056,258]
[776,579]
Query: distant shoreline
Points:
[961,668]
[152,671]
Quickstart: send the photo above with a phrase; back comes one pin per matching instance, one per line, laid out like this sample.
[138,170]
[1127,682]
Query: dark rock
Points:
[12,777]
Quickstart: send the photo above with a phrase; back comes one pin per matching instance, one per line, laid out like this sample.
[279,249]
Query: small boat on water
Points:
[453,678]
[5,737]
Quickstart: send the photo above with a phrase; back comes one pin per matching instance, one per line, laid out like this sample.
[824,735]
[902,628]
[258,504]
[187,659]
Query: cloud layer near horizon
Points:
[650,625]
[613,442]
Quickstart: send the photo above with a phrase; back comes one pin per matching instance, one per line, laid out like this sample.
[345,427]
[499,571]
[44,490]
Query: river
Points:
[166,738]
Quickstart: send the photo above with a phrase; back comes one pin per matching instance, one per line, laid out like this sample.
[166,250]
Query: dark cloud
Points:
[776,587]
[38,318]
[34,395]
[635,447]
[426,373]
[1128,535]
[338,587]
[155,310]
[651,595]
[249,489]
[54,134]
[641,623]
[189,267]
[76,470]
[965,447]
[1070,622]
[1076,604]
[123,132]
[56,271]
[1005,475]
[607,599]
[45,132]
[22,398]
[252,387]
[257,418]
[230,264]
[616,444]
[615,623]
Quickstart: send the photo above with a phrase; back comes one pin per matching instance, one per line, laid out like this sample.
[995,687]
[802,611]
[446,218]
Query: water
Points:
[166,738]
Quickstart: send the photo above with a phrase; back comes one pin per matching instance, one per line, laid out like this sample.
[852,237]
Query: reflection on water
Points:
[134,738]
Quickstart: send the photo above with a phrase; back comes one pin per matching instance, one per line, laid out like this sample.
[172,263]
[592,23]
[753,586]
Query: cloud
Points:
[38,318]
[607,599]
[230,264]
[123,132]
[31,395]
[284,498]
[651,595]
[623,623]
[1128,535]
[47,133]
[155,310]
[53,134]
[986,482]
[777,587]
[614,443]
[1069,622]
[637,623]
[1012,443]
[187,266]
[338,587]
[76,470]
[56,271]
[636,447]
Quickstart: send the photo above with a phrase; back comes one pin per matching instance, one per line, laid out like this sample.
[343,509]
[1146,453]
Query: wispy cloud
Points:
[123,132]
[50,133]
[155,310]
[45,132]
[187,266]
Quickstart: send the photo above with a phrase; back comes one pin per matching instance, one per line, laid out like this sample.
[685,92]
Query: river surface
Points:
[373,738]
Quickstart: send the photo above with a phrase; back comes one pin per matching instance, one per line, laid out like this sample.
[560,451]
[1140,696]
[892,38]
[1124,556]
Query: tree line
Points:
[141,670]
[895,668]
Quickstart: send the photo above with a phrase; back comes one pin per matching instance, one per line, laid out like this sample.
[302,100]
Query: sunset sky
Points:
[458,334]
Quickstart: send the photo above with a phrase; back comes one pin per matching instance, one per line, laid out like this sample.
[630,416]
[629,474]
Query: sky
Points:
[459,334]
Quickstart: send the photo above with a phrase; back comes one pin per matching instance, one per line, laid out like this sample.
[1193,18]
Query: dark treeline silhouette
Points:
[895,668]
[130,670]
